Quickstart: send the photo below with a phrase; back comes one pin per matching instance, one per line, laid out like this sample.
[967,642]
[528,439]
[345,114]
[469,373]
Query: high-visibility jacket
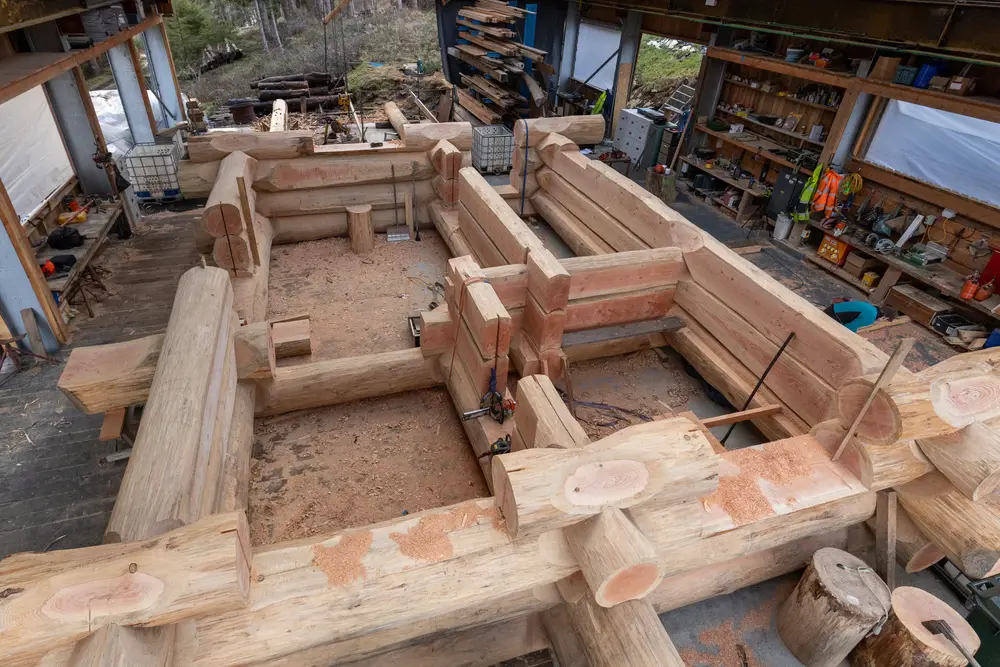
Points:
[825,199]
[805,197]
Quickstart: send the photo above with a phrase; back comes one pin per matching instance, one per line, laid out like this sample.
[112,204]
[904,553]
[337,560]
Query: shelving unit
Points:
[839,272]
[757,145]
[772,128]
[814,105]
[749,193]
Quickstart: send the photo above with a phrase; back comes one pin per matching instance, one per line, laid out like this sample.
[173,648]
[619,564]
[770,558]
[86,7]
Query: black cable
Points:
[759,383]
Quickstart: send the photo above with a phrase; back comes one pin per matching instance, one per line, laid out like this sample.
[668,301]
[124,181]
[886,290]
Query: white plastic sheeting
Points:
[941,148]
[595,44]
[111,116]
[33,159]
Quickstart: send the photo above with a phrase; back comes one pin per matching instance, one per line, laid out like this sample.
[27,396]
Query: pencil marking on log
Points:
[429,540]
[104,597]
[605,482]
[341,563]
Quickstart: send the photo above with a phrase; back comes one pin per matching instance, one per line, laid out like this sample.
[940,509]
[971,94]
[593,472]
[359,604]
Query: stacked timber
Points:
[545,313]
[496,63]
[933,437]
[229,217]
[313,89]
[495,233]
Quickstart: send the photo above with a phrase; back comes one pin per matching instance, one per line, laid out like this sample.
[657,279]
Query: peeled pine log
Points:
[424,136]
[659,462]
[877,466]
[279,116]
[905,642]
[250,294]
[967,532]
[328,171]
[969,458]
[343,380]
[447,159]
[519,161]
[255,352]
[616,559]
[831,609]
[554,143]
[446,189]
[337,199]
[628,634]
[258,145]
[396,117]
[359,227]
[224,212]
[157,492]
[234,487]
[915,407]
[101,378]
[313,226]
[56,598]
[582,130]
[914,552]
[570,229]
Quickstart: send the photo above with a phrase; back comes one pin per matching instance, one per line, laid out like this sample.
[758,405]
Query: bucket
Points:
[782,226]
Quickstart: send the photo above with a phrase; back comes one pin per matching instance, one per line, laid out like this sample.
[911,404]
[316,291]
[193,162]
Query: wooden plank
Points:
[742,416]
[111,427]
[570,229]
[137,65]
[23,71]
[885,537]
[779,66]
[982,108]
[30,325]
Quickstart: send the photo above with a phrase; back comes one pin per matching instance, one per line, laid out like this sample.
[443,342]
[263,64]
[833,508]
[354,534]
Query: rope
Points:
[864,569]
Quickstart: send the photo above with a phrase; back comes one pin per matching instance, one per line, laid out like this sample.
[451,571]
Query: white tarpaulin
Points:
[595,44]
[114,124]
[33,159]
[954,152]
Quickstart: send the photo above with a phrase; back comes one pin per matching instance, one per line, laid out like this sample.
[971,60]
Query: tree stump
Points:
[904,641]
[360,229]
[831,609]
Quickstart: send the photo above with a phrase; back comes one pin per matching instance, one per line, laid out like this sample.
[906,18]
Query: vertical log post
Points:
[835,604]
[360,229]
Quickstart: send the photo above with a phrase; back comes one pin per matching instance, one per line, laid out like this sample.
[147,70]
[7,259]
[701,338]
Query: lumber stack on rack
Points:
[496,63]
[316,89]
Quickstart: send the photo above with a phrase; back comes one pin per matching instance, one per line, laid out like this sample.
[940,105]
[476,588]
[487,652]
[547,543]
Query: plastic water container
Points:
[924,75]
[782,226]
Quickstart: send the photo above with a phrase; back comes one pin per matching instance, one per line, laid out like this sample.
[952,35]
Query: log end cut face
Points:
[882,423]
[913,606]
[631,583]
[603,483]
[962,401]
[92,601]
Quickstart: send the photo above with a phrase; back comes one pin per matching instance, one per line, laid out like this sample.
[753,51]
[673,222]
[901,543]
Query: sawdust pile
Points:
[342,562]
[429,540]
[741,496]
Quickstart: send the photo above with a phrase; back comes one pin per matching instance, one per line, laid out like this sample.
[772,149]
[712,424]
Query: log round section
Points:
[905,642]
[831,609]
[360,229]
[881,424]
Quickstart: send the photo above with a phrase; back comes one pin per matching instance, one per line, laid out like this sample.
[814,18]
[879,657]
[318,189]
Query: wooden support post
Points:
[831,609]
[279,116]
[396,117]
[885,537]
[359,227]
[904,641]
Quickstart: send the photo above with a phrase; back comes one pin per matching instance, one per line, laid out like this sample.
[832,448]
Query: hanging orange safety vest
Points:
[825,199]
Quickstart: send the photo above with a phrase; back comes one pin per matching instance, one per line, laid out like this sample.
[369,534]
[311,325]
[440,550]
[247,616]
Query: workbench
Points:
[944,280]
[96,230]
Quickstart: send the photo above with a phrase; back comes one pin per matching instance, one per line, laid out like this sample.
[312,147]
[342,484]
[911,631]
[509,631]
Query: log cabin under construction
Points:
[581,541]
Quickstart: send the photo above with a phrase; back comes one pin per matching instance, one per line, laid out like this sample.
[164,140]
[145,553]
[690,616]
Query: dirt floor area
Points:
[357,304]
[321,471]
